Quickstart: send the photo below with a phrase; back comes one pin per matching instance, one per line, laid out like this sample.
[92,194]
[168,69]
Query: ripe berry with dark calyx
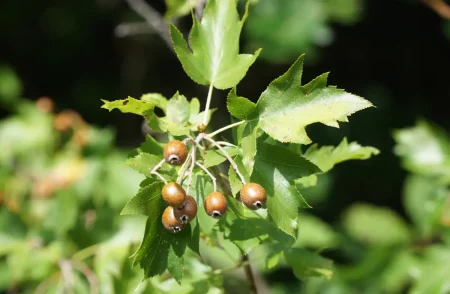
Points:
[174,194]
[216,204]
[253,196]
[175,152]
[186,213]
[170,222]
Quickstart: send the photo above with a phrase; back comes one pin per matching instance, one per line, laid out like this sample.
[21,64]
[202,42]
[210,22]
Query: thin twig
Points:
[67,275]
[208,104]
[223,143]
[249,273]
[440,7]
[226,128]
[191,170]
[153,19]
[154,171]
[199,9]
[132,29]
[44,285]
[183,169]
[224,152]
[89,274]
[213,178]
[86,252]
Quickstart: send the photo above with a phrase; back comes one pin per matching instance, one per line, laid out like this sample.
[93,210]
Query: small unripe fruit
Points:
[170,222]
[186,213]
[253,196]
[175,152]
[174,194]
[216,205]
[201,128]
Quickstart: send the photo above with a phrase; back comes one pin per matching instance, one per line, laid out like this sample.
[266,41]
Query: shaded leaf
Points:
[306,264]
[214,157]
[143,201]
[276,168]
[247,229]
[240,107]
[145,162]
[375,225]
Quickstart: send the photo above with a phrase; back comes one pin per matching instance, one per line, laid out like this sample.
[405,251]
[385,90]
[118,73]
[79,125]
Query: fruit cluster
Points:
[182,208]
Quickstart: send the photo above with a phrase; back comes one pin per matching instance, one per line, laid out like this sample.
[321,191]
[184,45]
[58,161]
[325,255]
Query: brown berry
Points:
[216,204]
[170,222]
[253,196]
[174,194]
[175,152]
[186,213]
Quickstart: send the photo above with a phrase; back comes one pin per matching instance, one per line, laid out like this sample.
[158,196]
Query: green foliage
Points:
[286,107]
[284,28]
[214,41]
[283,111]
[75,185]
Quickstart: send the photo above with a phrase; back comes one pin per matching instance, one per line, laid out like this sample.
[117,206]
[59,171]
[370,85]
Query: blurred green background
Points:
[394,53]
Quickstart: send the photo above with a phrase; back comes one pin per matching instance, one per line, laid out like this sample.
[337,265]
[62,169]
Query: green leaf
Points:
[313,232]
[144,199]
[214,59]
[423,200]
[145,162]
[156,99]
[214,157]
[177,8]
[129,105]
[201,187]
[276,168]
[247,229]
[433,273]
[161,249]
[307,264]
[63,212]
[240,107]
[176,121]
[247,134]
[285,108]
[375,225]
[326,157]
[152,146]
[10,85]
[235,182]
[424,149]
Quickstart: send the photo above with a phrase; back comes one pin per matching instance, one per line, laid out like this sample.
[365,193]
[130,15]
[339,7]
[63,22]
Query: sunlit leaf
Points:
[129,105]
[214,59]
[286,107]
[424,149]
[326,157]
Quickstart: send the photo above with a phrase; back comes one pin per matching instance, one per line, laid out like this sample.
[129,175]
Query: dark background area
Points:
[396,56]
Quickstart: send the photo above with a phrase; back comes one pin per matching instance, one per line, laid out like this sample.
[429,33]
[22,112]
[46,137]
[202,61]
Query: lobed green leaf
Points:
[286,107]
[276,168]
[326,157]
[214,41]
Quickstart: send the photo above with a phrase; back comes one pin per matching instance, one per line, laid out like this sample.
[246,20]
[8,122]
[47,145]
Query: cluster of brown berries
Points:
[183,208]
